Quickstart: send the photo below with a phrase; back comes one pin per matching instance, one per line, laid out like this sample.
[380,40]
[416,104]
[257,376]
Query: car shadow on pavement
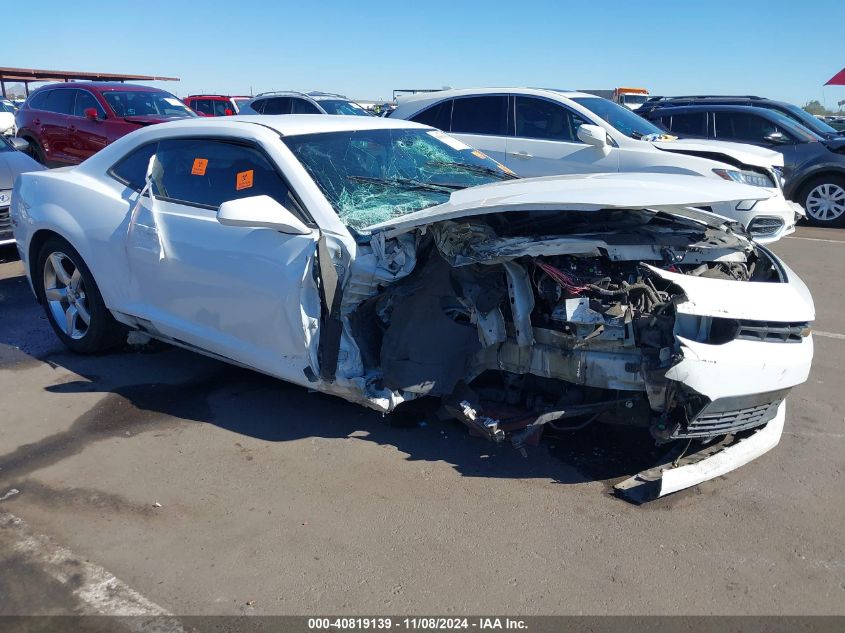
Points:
[159,386]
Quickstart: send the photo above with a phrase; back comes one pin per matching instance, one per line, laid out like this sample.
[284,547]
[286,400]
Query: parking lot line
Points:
[99,591]
[829,334]
[814,239]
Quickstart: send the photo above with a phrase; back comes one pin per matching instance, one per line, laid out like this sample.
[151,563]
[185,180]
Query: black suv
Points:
[814,167]
[789,110]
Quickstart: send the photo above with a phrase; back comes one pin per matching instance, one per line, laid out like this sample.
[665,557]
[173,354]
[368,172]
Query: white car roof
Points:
[248,126]
[288,124]
[424,98]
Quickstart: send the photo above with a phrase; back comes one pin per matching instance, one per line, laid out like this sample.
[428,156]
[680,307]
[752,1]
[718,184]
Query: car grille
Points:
[770,332]
[764,227]
[5,223]
[713,421]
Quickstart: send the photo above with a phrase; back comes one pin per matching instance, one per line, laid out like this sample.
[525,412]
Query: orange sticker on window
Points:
[243,180]
[199,167]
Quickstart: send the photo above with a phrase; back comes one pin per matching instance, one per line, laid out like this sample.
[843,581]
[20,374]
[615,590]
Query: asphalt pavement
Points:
[188,486]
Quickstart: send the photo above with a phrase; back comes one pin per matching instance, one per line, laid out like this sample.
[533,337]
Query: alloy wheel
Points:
[64,291]
[826,202]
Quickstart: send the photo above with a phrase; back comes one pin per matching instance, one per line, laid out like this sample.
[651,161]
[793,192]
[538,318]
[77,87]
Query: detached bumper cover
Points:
[676,475]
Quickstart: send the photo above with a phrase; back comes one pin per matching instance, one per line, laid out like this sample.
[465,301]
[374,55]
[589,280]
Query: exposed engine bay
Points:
[521,320]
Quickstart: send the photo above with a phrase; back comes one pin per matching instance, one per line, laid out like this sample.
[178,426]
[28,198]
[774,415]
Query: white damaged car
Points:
[381,261]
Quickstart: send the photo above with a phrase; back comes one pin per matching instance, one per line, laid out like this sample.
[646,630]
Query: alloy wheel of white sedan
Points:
[65,294]
[826,202]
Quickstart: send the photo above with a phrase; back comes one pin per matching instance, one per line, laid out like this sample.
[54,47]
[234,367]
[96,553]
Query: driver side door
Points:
[546,142]
[246,294]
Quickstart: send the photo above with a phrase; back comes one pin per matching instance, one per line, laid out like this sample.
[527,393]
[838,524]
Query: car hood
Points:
[836,144]
[665,192]
[12,164]
[747,154]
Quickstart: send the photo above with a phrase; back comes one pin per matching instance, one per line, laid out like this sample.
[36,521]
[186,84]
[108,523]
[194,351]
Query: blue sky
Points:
[779,49]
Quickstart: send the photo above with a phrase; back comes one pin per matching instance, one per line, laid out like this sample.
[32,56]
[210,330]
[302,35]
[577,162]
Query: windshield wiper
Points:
[478,169]
[407,183]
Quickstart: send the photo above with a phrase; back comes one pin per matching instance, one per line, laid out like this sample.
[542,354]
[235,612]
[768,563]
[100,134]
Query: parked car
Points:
[65,123]
[538,132]
[789,110]
[13,162]
[290,102]
[215,105]
[837,123]
[384,261]
[814,168]
[7,118]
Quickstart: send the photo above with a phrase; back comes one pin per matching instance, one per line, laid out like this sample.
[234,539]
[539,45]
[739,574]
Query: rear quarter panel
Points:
[91,215]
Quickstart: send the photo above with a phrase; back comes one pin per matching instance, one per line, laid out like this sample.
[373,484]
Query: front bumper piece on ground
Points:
[682,472]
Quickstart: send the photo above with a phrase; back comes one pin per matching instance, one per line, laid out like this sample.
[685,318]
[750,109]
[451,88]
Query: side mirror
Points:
[260,212]
[20,144]
[228,112]
[90,114]
[594,135]
[776,138]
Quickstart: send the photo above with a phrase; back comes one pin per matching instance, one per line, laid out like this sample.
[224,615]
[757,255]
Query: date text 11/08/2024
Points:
[416,624]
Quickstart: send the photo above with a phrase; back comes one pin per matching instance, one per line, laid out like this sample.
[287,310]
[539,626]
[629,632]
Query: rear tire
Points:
[72,300]
[35,152]
[823,199]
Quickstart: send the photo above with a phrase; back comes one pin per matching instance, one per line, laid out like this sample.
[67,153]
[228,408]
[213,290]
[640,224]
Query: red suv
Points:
[68,122]
[215,105]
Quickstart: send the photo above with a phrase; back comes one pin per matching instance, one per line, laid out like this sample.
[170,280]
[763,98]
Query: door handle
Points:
[36,121]
[521,154]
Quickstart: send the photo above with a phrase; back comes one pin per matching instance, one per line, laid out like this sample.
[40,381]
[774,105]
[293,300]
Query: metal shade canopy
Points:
[31,75]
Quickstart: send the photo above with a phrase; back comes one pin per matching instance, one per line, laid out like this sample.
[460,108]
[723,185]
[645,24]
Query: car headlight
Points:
[779,175]
[745,177]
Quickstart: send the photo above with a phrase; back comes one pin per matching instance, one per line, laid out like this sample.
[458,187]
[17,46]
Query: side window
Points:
[85,100]
[277,105]
[131,170]
[61,101]
[439,116]
[745,127]
[220,107]
[480,115]
[258,105]
[38,101]
[541,119]
[692,124]
[664,122]
[203,106]
[209,172]
[301,106]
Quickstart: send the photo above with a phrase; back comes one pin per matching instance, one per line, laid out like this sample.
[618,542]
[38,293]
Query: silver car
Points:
[13,161]
[292,102]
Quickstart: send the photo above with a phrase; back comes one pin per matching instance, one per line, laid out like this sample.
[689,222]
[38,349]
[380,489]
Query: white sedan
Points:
[383,261]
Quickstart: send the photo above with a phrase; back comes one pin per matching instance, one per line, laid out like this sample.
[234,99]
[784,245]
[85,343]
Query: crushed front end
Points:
[523,320]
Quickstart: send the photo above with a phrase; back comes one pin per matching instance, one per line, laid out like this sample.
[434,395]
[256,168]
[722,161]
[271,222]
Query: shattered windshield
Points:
[370,176]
